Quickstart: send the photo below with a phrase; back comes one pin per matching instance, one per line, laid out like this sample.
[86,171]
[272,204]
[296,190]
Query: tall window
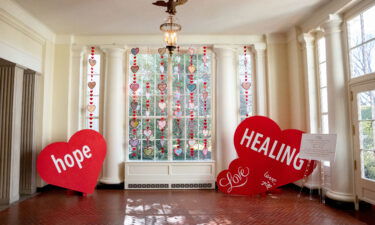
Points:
[322,83]
[245,68]
[361,31]
[173,106]
[92,87]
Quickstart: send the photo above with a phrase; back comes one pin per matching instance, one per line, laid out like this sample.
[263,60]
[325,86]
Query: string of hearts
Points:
[246,84]
[91,85]
[134,86]
[191,86]
[204,96]
[178,111]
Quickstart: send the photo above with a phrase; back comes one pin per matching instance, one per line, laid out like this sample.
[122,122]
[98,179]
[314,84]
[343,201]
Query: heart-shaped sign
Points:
[268,158]
[162,124]
[134,68]
[91,84]
[134,142]
[162,86]
[75,164]
[91,108]
[135,51]
[161,51]
[191,68]
[147,132]
[191,87]
[134,87]
[177,151]
[246,85]
[134,123]
[92,62]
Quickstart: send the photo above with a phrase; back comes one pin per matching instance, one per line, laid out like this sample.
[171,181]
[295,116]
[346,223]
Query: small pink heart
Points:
[134,105]
[205,95]
[191,68]
[205,151]
[134,87]
[204,59]
[191,51]
[147,132]
[91,108]
[246,85]
[134,68]
[92,62]
[205,132]
[177,151]
[135,51]
[134,123]
[191,142]
[178,113]
[162,124]
[162,105]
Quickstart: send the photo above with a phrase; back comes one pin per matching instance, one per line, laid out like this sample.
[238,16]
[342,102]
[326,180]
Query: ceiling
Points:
[110,17]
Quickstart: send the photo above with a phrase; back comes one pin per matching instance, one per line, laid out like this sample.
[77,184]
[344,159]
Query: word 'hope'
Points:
[77,157]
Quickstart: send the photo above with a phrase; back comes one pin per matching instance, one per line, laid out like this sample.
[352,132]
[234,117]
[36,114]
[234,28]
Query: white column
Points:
[75,86]
[341,169]
[311,94]
[113,118]
[311,97]
[260,79]
[226,105]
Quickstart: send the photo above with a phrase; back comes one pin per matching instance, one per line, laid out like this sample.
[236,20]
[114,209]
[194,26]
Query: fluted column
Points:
[341,169]
[75,86]
[226,105]
[261,79]
[113,118]
[311,97]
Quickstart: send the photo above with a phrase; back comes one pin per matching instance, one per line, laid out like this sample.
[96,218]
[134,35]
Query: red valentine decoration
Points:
[75,164]
[134,86]
[268,158]
[91,107]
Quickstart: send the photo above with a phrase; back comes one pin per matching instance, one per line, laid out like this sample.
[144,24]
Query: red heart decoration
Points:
[246,85]
[134,69]
[134,87]
[268,158]
[75,164]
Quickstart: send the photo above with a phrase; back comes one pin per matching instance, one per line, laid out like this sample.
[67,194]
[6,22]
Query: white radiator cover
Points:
[170,175]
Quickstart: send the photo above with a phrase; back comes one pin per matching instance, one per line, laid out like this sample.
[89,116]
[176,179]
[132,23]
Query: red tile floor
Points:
[57,206]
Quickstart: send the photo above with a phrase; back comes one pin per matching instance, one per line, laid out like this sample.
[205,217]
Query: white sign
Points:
[318,146]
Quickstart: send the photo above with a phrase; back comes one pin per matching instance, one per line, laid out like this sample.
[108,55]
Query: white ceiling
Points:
[109,17]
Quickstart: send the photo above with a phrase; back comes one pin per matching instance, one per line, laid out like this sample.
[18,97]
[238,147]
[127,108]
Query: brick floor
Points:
[56,206]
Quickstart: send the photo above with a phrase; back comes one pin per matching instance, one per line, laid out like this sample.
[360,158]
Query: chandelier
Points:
[170,28]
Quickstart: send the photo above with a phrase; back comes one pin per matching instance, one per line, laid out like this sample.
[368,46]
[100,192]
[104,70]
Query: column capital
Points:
[306,39]
[113,49]
[77,50]
[259,47]
[332,25]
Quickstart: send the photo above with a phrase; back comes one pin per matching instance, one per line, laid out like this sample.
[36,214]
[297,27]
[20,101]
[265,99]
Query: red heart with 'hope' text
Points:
[268,158]
[75,164]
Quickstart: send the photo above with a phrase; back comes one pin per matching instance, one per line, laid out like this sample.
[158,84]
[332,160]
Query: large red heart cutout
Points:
[268,158]
[75,164]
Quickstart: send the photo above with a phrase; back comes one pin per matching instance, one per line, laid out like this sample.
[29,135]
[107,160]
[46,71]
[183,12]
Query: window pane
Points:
[368,24]
[357,62]
[325,129]
[245,84]
[322,50]
[323,100]
[368,158]
[366,102]
[366,135]
[354,31]
[323,75]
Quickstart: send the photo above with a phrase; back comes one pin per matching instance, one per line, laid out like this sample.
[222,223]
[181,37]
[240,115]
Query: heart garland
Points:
[134,122]
[162,86]
[91,85]
[246,84]
[177,111]
[205,96]
[191,86]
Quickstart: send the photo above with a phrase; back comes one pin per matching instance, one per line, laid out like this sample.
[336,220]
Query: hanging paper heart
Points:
[177,151]
[191,51]
[135,51]
[205,151]
[161,69]
[205,95]
[245,62]
[191,105]
[162,105]
[178,113]
[205,132]
[162,142]
[134,68]
[92,62]
[162,124]
[147,132]
[191,142]
[148,151]
[91,108]
[148,95]
[177,95]
[162,86]
[134,123]
[134,142]
[246,85]
[204,59]
[91,84]
[134,87]
[147,113]
[134,105]
[191,68]
[161,51]
[191,87]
